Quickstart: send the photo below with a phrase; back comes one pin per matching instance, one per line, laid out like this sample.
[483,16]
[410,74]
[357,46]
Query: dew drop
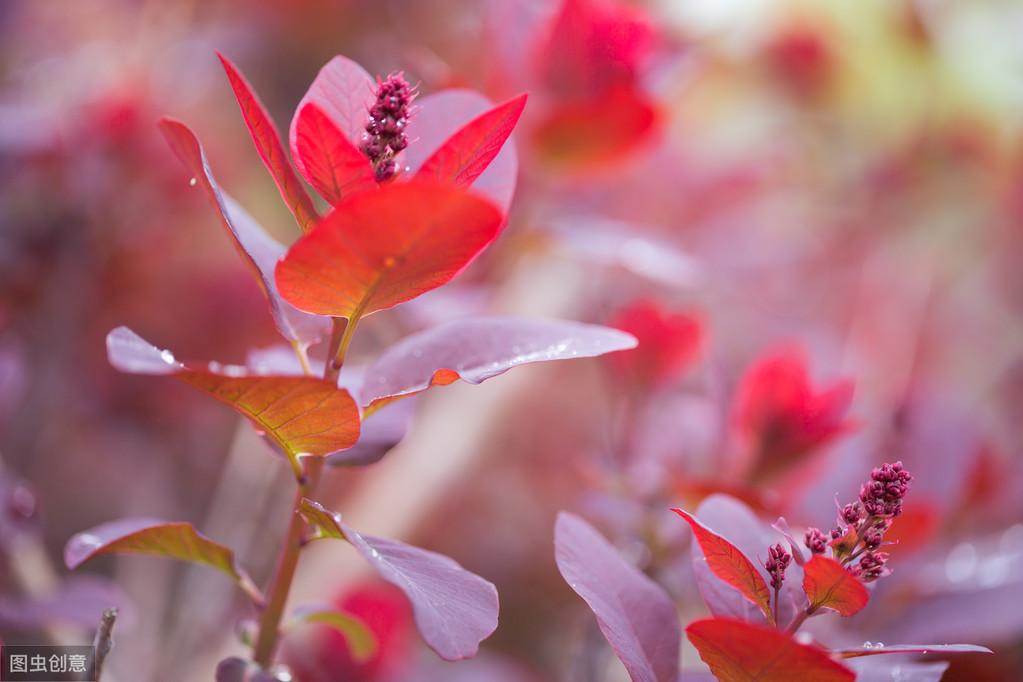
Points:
[193,182]
[167,357]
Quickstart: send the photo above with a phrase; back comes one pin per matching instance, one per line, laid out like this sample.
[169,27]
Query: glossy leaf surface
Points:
[378,249]
[636,616]
[880,649]
[828,585]
[739,652]
[479,348]
[325,523]
[730,565]
[268,143]
[454,609]
[259,250]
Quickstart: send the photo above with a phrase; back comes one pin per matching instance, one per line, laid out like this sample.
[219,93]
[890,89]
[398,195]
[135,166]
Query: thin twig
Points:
[103,641]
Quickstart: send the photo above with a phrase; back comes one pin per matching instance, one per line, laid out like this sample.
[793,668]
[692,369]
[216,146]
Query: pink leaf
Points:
[479,348]
[344,92]
[636,616]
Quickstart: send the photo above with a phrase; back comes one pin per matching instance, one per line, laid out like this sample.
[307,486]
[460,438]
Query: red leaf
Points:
[260,251]
[729,564]
[344,92]
[328,159]
[739,652]
[829,586]
[268,144]
[176,540]
[303,415]
[467,153]
[378,249]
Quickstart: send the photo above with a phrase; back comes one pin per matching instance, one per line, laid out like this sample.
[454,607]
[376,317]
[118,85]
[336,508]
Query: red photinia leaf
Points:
[829,586]
[454,609]
[479,348]
[740,652]
[781,416]
[329,160]
[325,523]
[260,251]
[669,342]
[467,153]
[378,249]
[730,565]
[595,133]
[440,115]
[175,540]
[878,649]
[636,616]
[268,144]
[344,92]
[303,415]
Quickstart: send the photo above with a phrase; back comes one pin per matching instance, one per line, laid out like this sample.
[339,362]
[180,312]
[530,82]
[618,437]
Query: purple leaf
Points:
[477,349]
[878,670]
[636,616]
[878,649]
[344,92]
[454,609]
[260,251]
[438,117]
[175,540]
[380,432]
[79,600]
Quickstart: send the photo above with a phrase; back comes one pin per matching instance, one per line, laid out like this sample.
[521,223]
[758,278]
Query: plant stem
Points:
[103,641]
[284,573]
[797,621]
[346,340]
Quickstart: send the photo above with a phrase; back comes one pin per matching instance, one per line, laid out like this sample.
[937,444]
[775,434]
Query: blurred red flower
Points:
[669,342]
[321,654]
[781,417]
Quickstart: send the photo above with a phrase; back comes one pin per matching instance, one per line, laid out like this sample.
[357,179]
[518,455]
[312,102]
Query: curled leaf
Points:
[361,640]
[636,616]
[479,348]
[378,249]
[739,652]
[175,540]
[729,564]
[869,649]
[828,585]
[325,523]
